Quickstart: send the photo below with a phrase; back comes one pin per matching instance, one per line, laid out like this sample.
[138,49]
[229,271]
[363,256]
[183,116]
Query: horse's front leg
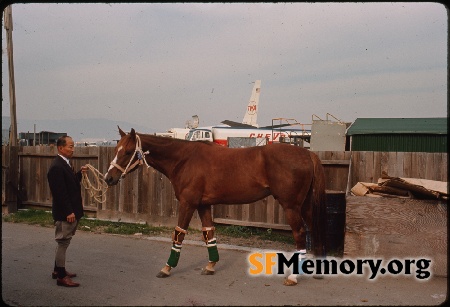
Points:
[208,236]
[185,214]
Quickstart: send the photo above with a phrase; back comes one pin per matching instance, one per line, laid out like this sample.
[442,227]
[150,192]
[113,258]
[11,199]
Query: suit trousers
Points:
[64,231]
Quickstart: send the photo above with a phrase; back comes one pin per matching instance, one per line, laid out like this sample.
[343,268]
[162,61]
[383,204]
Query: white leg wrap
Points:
[301,258]
[293,277]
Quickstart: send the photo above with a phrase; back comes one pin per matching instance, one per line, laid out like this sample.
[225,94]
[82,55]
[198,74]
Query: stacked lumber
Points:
[402,188]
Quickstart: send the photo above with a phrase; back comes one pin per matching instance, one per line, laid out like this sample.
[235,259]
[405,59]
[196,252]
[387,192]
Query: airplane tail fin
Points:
[251,114]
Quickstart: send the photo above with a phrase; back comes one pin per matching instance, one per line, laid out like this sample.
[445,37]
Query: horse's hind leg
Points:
[185,214]
[295,220]
[208,236]
[300,220]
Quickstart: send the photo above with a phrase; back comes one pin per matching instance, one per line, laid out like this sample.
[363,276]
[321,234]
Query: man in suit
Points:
[67,206]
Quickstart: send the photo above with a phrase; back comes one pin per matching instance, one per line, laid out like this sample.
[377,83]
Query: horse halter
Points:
[140,156]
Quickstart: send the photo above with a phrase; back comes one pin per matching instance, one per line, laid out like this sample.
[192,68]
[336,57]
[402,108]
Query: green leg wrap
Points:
[213,253]
[174,255]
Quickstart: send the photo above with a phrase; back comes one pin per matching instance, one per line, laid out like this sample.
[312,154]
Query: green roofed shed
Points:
[399,134]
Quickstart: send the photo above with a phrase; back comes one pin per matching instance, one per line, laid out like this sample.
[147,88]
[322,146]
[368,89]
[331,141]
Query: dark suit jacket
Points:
[66,190]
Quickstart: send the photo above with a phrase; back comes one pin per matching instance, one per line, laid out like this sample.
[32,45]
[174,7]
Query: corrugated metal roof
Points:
[436,125]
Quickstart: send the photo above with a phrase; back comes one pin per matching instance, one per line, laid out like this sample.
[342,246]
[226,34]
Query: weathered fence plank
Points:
[10,179]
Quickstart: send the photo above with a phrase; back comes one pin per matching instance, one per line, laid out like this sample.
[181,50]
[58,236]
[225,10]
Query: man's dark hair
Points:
[61,141]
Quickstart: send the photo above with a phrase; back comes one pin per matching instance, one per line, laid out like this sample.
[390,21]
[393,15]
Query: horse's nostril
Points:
[108,179]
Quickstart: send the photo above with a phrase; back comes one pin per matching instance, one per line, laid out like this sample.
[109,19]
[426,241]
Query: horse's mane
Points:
[168,140]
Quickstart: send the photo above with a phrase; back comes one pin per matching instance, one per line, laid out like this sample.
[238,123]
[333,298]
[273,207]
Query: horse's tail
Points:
[319,223]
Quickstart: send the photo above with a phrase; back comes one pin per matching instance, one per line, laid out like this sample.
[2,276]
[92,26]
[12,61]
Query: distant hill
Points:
[79,129]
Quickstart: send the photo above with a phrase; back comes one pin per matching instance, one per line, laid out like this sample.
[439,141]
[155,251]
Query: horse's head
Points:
[127,159]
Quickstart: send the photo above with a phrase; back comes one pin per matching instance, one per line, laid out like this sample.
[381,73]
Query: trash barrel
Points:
[335,213]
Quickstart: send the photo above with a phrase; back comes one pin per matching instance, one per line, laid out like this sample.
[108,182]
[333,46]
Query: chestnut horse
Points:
[205,174]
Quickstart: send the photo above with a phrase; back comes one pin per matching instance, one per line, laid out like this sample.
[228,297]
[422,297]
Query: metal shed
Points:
[399,134]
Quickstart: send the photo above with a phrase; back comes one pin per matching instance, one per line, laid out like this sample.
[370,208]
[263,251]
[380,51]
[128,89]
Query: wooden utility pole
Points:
[12,87]
[12,187]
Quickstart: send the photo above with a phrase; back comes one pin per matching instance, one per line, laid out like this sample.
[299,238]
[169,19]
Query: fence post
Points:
[12,176]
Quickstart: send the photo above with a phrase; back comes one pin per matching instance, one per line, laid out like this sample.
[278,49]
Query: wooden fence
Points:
[147,196]
[367,166]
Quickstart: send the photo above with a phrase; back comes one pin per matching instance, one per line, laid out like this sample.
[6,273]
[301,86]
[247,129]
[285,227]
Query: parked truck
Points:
[222,134]
[177,133]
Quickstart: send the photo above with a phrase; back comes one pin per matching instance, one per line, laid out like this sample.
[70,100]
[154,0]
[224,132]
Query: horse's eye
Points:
[128,152]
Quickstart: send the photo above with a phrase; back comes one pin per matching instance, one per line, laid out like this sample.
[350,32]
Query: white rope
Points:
[98,192]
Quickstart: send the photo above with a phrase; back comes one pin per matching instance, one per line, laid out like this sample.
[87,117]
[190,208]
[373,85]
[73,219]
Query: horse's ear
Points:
[122,134]
[132,133]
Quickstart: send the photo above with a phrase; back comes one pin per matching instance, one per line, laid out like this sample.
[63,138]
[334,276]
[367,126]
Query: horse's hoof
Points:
[289,282]
[207,272]
[162,274]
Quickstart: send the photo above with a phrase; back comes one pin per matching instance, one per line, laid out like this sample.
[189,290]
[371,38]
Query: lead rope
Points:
[102,186]
[98,192]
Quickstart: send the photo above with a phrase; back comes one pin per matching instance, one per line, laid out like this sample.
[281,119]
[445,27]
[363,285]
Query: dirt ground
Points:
[116,270]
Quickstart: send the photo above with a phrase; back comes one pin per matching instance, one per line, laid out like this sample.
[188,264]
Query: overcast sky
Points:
[156,65]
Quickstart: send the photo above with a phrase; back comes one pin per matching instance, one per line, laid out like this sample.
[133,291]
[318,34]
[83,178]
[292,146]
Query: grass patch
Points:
[132,228]
[45,219]
[261,233]
[39,217]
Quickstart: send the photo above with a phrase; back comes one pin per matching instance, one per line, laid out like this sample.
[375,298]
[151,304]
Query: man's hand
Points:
[84,168]
[71,218]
